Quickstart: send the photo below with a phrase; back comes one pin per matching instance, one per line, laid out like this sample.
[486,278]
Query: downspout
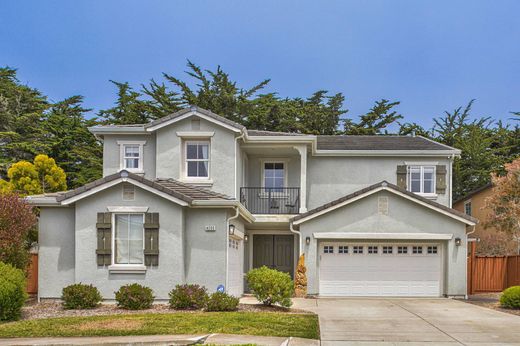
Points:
[300,245]
[452,158]
[236,163]
[227,244]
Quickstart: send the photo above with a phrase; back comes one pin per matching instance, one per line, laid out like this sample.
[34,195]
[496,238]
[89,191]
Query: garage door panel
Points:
[348,274]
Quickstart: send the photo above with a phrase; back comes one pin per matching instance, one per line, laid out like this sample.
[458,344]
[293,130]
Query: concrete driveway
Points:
[411,322]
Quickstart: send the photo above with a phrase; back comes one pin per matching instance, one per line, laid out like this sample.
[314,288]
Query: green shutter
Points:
[151,239]
[401,176]
[440,179]
[104,239]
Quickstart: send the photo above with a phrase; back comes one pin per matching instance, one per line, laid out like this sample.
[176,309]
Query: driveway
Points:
[411,322]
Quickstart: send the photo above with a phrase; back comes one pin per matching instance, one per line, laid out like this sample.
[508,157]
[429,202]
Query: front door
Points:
[274,251]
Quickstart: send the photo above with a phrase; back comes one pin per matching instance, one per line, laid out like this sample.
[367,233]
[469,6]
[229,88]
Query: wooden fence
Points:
[32,275]
[492,274]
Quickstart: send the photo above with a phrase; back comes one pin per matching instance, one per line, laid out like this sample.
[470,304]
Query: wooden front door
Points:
[274,251]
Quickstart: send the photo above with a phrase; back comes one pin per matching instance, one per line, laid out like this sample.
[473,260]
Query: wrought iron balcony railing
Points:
[271,200]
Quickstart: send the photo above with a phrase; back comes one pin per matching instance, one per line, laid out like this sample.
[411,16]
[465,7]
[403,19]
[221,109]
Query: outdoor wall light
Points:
[308,240]
[458,241]
[246,238]
[231,229]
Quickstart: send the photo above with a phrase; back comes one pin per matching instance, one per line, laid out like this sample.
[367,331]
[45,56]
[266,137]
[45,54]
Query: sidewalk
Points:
[218,339]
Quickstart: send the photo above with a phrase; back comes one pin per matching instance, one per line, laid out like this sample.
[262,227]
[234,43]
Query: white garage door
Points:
[348,269]
[235,267]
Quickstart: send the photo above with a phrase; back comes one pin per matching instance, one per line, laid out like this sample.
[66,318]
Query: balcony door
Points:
[274,251]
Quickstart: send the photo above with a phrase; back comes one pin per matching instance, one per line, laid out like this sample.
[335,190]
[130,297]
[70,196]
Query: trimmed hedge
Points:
[12,292]
[134,297]
[271,286]
[510,298]
[80,296]
[220,301]
[188,297]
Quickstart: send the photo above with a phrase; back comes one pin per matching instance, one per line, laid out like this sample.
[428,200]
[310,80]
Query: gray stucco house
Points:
[196,198]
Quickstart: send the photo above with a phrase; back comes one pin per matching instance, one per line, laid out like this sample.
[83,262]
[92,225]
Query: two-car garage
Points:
[380,269]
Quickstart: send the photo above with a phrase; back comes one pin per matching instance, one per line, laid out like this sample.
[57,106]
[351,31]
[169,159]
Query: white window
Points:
[402,249]
[131,156]
[421,179]
[357,249]
[128,238]
[328,249]
[274,176]
[388,249]
[128,192]
[432,250]
[197,159]
[467,207]
[417,249]
[343,249]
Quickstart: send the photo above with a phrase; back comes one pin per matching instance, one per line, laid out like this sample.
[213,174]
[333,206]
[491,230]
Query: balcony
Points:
[275,200]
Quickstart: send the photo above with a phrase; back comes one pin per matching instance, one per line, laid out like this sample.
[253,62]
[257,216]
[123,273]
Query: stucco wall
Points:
[255,169]
[112,154]
[56,264]
[404,216]
[329,178]
[222,154]
[206,250]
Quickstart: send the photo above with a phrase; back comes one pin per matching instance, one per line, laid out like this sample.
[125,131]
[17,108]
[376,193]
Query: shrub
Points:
[220,301]
[80,296]
[12,292]
[134,297]
[510,298]
[188,297]
[271,286]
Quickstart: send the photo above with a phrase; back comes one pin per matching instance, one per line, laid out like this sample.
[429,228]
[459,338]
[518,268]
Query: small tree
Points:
[31,178]
[504,203]
[16,220]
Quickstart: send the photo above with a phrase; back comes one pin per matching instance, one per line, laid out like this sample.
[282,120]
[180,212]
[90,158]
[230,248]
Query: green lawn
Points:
[252,323]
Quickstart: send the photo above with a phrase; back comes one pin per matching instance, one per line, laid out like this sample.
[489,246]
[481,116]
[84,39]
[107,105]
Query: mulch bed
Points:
[490,301]
[50,309]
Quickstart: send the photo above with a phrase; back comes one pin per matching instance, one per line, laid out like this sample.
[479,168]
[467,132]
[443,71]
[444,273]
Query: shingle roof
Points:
[378,142]
[182,191]
[474,192]
[389,185]
[195,109]
[272,133]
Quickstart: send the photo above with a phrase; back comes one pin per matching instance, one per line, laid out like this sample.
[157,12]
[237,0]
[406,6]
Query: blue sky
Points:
[430,55]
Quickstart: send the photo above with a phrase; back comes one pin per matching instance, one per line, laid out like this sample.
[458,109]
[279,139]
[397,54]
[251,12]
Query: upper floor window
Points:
[197,159]
[131,155]
[128,239]
[467,207]
[421,179]
[274,175]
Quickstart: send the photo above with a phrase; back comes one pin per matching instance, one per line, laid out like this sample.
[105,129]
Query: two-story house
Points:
[196,198]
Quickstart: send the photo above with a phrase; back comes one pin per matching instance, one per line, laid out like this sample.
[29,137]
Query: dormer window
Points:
[131,156]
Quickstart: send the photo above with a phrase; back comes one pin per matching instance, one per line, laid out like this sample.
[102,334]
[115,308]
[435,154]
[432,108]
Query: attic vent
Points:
[195,124]
[382,205]
[128,192]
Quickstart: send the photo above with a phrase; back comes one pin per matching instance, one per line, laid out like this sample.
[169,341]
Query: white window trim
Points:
[471,206]
[434,180]
[122,267]
[184,165]
[196,134]
[274,194]
[122,145]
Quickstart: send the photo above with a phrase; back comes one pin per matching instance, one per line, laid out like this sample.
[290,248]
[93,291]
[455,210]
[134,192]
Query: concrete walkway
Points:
[216,339]
[411,322]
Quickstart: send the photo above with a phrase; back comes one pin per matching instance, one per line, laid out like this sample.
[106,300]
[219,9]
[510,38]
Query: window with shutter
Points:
[440,179]
[104,239]
[401,176]
[151,239]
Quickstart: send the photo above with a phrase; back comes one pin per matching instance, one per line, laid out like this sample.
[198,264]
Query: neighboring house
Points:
[196,198]
[491,241]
